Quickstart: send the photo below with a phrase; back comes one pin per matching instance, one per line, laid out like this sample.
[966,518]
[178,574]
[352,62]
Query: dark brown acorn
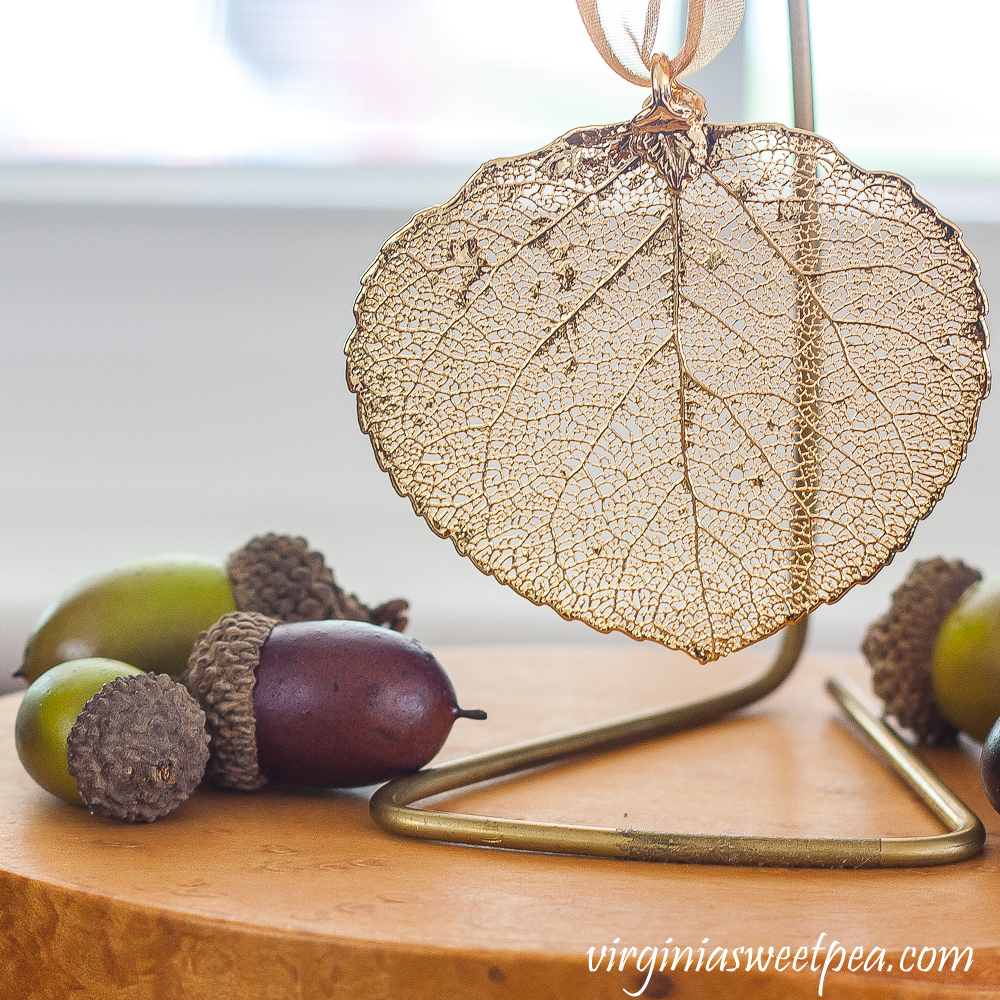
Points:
[990,766]
[334,704]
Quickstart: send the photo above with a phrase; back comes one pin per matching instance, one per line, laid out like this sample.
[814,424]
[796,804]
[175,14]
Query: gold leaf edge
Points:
[981,325]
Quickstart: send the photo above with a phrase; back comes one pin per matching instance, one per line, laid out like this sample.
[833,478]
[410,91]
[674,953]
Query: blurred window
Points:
[906,86]
[424,82]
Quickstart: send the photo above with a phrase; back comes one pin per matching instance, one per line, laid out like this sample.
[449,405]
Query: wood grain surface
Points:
[291,893]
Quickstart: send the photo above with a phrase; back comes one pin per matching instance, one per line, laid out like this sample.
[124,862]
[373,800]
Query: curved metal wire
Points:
[392,805]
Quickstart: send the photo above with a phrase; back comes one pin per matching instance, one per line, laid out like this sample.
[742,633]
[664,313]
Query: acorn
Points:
[934,653]
[965,668]
[149,613]
[127,744]
[333,703]
[990,765]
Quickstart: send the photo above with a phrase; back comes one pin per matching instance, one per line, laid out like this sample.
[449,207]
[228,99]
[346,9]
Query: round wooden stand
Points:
[297,894]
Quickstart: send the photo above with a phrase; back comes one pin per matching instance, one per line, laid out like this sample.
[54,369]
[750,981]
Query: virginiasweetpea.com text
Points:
[819,959]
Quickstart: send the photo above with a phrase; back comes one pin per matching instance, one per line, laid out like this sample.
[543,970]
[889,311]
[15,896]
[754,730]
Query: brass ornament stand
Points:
[675,109]
[392,805]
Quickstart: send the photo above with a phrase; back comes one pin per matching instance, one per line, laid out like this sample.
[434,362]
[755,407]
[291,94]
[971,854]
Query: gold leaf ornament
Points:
[682,380]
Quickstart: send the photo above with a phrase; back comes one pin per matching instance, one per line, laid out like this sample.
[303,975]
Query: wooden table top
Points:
[289,893]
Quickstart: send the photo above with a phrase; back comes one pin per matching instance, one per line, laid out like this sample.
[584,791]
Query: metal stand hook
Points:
[392,805]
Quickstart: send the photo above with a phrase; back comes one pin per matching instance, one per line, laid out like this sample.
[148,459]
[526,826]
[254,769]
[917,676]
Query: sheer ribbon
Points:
[625,37]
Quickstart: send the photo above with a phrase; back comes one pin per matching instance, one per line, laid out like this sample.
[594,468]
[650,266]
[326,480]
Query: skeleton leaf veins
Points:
[685,385]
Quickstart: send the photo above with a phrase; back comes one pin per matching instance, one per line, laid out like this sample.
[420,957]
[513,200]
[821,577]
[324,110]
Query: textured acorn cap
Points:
[900,644]
[139,748]
[280,576]
[221,675]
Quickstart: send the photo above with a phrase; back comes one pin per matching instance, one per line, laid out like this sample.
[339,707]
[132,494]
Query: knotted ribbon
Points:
[614,28]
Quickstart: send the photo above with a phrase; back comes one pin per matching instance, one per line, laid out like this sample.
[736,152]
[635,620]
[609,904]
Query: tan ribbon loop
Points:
[611,24]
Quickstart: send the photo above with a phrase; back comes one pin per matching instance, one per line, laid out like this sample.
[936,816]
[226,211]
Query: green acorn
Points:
[149,613]
[127,744]
[966,663]
[47,713]
[935,655]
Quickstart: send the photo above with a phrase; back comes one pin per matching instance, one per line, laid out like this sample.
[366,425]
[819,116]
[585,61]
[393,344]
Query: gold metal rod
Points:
[966,834]
[392,805]
[806,431]
[802,75]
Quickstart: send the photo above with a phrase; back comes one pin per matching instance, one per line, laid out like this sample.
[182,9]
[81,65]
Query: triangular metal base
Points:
[392,805]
